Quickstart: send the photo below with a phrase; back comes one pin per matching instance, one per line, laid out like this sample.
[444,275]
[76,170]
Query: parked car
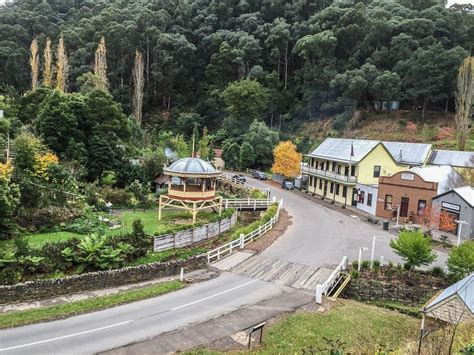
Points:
[287,185]
[239,178]
[259,175]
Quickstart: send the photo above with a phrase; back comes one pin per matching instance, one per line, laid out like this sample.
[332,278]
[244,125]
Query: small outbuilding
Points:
[196,187]
[455,304]
[459,204]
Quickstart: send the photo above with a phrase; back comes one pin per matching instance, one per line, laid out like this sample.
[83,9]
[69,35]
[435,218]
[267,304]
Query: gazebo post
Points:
[159,208]
[194,212]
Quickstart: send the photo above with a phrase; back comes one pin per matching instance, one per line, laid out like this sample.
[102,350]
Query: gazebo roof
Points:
[191,167]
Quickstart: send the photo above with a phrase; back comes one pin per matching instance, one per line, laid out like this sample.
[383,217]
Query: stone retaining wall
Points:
[372,290]
[40,289]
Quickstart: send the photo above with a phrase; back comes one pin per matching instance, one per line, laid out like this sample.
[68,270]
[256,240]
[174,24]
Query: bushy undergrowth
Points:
[267,216]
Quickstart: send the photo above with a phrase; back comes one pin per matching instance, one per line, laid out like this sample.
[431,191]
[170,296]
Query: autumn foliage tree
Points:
[47,66]
[62,66]
[287,161]
[34,63]
[464,101]
[100,63]
[430,220]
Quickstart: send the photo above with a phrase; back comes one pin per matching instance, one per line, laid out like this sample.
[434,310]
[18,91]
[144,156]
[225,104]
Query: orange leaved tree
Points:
[430,220]
[287,161]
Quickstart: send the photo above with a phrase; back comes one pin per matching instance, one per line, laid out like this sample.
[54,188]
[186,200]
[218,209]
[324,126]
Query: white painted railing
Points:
[243,239]
[328,174]
[331,281]
[238,182]
[248,203]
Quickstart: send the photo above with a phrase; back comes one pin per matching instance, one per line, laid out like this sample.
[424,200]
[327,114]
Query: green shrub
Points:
[414,248]
[437,271]
[365,264]
[461,260]
[267,216]
[355,274]
[257,194]
[46,218]
[355,264]
[376,265]
[119,198]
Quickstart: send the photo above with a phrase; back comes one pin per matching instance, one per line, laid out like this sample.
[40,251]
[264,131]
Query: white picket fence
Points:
[248,203]
[332,280]
[194,235]
[237,182]
[243,240]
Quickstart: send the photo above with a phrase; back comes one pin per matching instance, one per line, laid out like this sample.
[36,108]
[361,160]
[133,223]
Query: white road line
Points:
[65,336]
[209,297]
[122,323]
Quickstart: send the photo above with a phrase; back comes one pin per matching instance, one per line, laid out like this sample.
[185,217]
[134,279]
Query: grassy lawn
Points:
[149,218]
[362,328]
[19,318]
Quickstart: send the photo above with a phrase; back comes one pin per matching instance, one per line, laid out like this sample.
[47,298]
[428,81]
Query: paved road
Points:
[318,237]
[99,331]
[322,236]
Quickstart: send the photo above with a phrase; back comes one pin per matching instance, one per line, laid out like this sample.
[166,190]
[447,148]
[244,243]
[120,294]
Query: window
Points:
[331,188]
[338,169]
[388,202]
[327,165]
[337,189]
[369,200]
[344,191]
[376,170]
[346,170]
[333,167]
[320,184]
[361,196]
[321,165]
[421,207]
[353,170]
[310,181]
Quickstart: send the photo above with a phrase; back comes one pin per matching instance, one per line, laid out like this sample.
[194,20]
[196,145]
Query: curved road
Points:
[318,236]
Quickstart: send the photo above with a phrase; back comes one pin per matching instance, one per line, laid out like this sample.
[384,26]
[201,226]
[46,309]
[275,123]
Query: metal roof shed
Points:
[455,304]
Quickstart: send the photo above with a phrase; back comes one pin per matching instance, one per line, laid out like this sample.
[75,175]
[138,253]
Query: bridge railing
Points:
[244,239]
[248,203]
[332,280]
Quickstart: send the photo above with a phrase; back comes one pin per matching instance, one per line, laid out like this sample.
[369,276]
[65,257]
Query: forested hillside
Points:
[311,58]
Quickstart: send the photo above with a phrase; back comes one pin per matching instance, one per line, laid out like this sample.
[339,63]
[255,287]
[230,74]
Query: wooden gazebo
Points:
[196,190]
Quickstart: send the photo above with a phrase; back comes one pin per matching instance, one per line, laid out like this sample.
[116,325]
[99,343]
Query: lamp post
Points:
[373,251]
[460,223]
[398,215]
[360,256]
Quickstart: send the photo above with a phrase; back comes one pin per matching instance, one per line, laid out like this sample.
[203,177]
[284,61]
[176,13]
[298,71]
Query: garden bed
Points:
[395,285]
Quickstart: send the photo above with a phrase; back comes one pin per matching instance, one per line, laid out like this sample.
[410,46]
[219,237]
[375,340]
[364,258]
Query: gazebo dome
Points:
[191,167]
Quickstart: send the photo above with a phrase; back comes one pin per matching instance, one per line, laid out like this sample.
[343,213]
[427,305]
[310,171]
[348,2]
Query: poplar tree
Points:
[100,63]
[48,59]
[138,84]
[34,61]
[464,101]
[62,66]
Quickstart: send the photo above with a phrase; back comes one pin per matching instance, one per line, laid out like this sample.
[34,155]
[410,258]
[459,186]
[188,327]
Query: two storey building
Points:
[339,168]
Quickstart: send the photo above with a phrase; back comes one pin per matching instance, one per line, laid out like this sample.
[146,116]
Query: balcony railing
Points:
[329,174]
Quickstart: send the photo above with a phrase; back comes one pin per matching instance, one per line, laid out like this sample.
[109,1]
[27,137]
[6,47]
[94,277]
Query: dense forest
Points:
[310,57]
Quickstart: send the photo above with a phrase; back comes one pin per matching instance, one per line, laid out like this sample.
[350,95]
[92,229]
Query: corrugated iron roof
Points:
[408,153]
[440,174]
[340,149]
[452,157]
[464,289]
[467,193]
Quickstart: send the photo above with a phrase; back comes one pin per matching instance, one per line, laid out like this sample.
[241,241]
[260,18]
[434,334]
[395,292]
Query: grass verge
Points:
[44,314]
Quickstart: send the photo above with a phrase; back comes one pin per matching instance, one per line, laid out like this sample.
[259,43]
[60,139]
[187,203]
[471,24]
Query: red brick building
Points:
[407,191]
